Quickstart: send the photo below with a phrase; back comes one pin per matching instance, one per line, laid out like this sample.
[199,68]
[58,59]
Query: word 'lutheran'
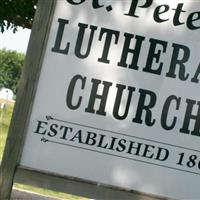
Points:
[177,66]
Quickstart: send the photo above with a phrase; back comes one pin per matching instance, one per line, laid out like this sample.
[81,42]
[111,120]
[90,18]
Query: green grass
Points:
[5,116]
[49,193]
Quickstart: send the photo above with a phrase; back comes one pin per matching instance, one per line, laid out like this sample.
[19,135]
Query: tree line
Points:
[11,64]
[14,14]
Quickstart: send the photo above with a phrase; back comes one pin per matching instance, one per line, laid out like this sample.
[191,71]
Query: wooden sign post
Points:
[108,106]
[26,93]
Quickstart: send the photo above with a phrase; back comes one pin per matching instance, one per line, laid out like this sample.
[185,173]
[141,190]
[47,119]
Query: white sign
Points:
[118,96]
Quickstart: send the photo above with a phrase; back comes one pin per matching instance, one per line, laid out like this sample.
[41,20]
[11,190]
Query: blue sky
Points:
[15,41]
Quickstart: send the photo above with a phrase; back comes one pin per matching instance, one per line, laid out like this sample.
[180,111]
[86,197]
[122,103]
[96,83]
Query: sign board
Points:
[117,101]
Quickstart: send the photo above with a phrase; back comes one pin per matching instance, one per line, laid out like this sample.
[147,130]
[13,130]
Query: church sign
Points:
[116,100]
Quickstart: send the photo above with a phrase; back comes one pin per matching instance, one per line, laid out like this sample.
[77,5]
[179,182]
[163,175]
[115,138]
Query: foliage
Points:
[14,13]
[11,64]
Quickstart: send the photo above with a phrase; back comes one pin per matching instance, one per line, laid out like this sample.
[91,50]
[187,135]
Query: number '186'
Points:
[189,161]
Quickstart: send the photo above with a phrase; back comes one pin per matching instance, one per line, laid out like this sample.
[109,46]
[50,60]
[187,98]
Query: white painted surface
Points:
[90,162]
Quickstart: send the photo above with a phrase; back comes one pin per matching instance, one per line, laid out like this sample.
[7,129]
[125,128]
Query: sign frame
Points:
[10,170]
